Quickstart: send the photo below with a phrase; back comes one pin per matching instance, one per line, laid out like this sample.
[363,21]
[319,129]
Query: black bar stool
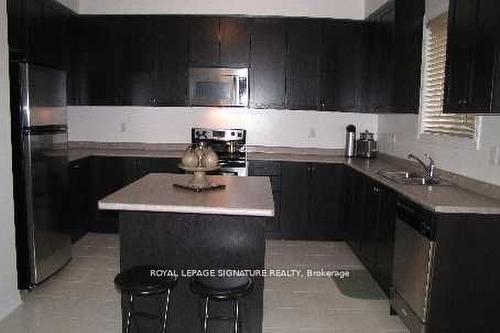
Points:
[221,289]
[139,282]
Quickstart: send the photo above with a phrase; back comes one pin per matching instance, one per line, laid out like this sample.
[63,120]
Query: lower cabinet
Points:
[371,217]
[80,207]
[307,198]
[94,178]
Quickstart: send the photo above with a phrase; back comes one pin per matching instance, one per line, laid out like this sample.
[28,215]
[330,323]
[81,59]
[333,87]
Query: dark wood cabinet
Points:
[303,65]
[408,36]
[471,56]
[234,41]
[342,65]
[370,218]
[37,31]
[379,59]
[80,203]
[171,72]
[308,199]
[271,169]
[96,64]
[16,29]
[267,68]
[96,177]
[326,214]
[219,41]
[204,41]
[392,57]
[295,186]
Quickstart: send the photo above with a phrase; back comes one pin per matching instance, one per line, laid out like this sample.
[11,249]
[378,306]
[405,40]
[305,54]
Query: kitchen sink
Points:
[411,178]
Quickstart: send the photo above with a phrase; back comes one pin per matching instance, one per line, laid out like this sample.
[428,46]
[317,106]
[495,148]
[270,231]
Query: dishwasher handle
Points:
[420,220]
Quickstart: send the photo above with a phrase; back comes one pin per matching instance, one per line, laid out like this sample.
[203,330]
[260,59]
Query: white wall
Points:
[372,5]
[9,296]
[398,135]
[173,125]
[352,9]
[71,4]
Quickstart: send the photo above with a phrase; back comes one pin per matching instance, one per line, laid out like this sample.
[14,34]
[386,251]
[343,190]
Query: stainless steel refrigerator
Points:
[40,165]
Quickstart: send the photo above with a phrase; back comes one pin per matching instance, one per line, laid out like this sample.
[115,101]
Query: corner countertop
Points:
[244,196]
[465,196]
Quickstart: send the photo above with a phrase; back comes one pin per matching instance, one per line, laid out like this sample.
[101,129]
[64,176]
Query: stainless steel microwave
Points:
[210,86]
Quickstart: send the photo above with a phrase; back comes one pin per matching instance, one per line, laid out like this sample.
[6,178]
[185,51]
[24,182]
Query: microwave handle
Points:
[236,89]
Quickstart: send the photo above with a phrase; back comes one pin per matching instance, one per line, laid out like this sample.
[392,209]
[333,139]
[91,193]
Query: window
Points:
[434,121]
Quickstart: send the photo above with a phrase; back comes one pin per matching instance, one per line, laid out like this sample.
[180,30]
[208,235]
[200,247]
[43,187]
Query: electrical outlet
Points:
[495,156]
[123,127]
[312,133]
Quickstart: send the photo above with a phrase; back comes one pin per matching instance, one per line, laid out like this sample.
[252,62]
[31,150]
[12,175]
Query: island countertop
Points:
[245,196]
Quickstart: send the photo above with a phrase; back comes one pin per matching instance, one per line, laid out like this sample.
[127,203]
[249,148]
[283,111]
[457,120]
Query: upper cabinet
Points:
[408,35]
[219,41]
[38,31]
[342,66]
[303,64]
[472,57]
[133,60]
[267,64]
[379,59]
[393,53]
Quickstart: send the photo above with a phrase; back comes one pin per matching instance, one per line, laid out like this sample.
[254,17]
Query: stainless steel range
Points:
[229,144]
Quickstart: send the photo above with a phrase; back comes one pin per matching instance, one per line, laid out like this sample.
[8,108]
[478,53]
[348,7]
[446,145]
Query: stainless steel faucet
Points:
[430,174]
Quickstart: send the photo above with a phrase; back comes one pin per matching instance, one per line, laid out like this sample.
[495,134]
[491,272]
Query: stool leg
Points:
[236,315]
[205,316]
[129,313]
[165,311]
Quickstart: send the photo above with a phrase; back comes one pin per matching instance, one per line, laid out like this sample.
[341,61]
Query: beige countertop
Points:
[442,199]
[244,196]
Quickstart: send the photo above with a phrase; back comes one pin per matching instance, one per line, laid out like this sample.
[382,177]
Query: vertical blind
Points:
[434,121]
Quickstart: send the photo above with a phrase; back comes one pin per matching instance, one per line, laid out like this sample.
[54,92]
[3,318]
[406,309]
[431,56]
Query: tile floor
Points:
[82,298]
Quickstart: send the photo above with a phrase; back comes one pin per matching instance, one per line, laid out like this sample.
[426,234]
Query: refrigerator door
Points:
[45,169]
[43,96]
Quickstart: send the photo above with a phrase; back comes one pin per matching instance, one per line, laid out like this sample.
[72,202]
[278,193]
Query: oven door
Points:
[218,87]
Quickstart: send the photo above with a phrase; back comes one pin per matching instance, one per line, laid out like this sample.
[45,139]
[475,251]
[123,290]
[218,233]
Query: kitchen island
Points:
[193,232]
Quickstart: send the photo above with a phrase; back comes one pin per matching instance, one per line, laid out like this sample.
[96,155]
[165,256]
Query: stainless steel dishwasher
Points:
[414,253]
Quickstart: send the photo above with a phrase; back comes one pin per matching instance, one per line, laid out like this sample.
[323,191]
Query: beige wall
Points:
[398,135]
[9,296]
[353,9]
[173,125]
[372,5]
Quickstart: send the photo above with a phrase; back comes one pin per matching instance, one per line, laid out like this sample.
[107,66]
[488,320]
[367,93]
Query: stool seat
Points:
[221,288]
[139,280]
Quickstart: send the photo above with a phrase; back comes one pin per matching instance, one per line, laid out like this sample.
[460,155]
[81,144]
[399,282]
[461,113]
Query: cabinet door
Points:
[33,10]
[234,41]
[136,59]
[379,59]
[109,174]
[98,61]
[370,224]
[385,238]
[325,217]
[459,63]
[271,169]
[17,32]
[294,199]
[171,72]
[303,64]
[204,41]
[341,79]
[267,72]
[408,55]
[485,47]
[80,198]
